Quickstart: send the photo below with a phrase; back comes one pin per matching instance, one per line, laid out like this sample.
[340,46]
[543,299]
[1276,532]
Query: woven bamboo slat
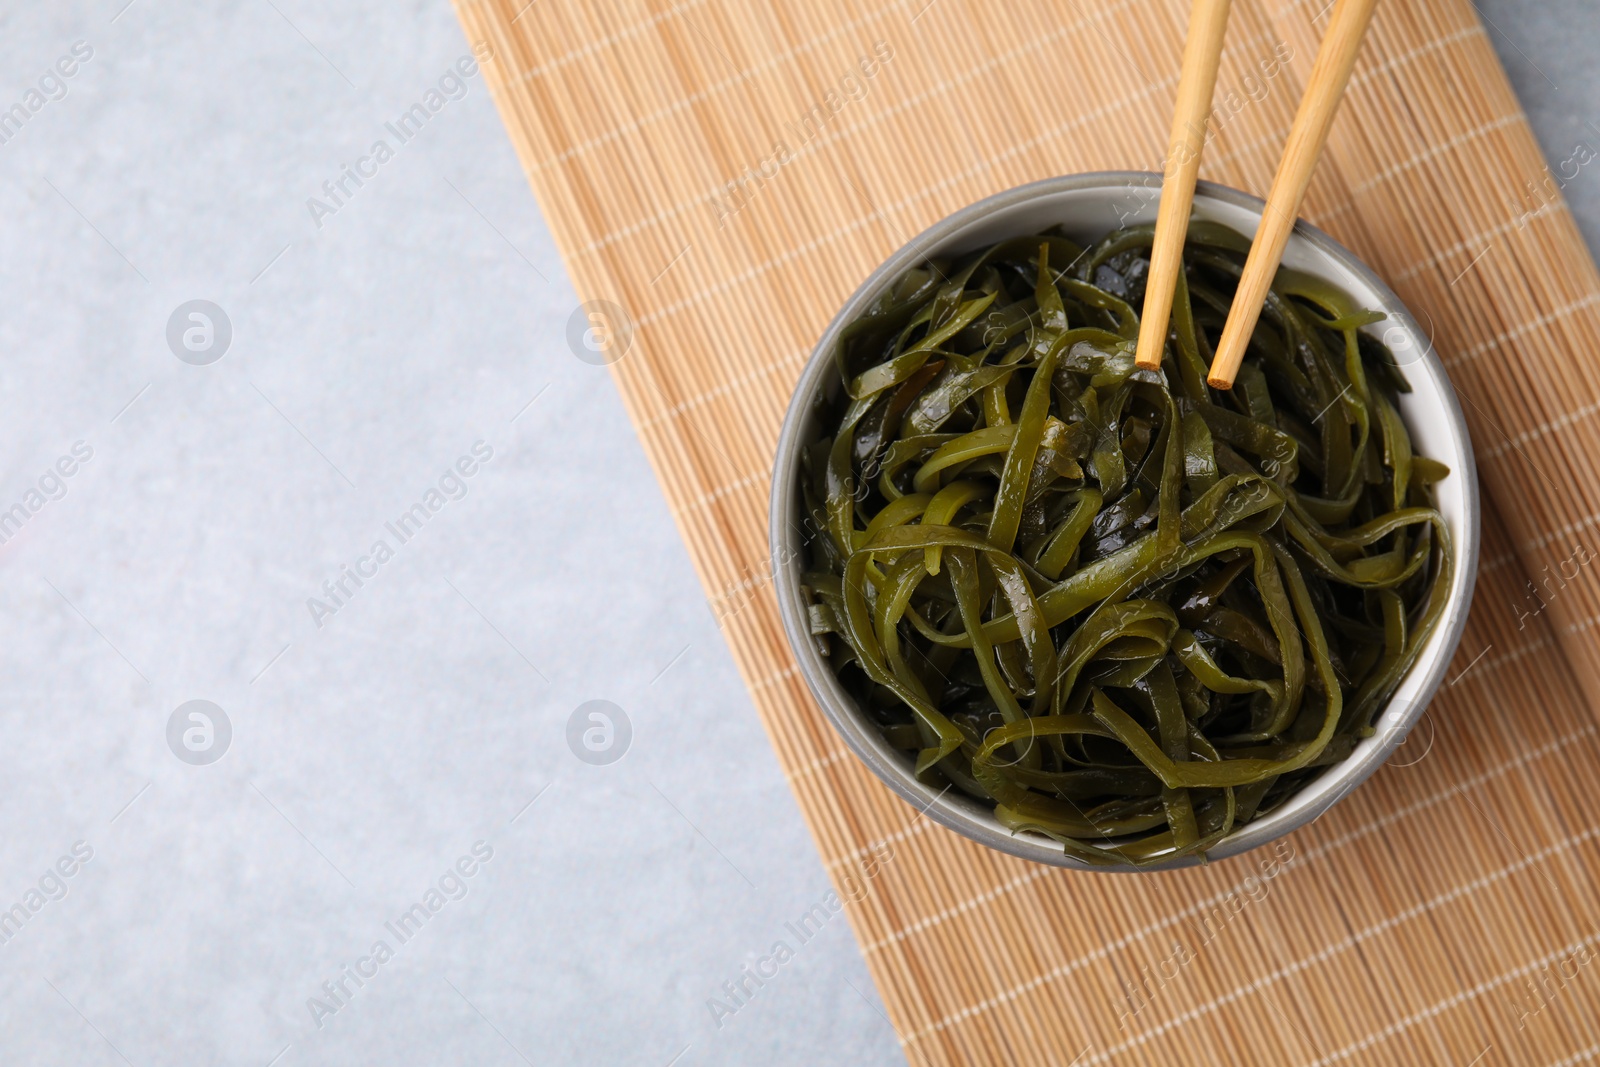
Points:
[1444,911]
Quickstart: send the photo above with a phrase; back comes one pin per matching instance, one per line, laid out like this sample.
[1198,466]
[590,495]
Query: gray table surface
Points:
[368,749]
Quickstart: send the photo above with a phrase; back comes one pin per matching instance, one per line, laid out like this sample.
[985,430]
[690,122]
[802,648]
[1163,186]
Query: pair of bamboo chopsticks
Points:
[1208,20]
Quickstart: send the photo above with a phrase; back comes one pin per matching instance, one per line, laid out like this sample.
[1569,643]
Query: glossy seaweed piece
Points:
[1131,612]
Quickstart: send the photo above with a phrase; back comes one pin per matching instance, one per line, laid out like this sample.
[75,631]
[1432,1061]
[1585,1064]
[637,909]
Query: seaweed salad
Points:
[1129,610]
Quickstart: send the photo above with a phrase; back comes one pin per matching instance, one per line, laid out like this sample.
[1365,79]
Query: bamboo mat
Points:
[1443,913]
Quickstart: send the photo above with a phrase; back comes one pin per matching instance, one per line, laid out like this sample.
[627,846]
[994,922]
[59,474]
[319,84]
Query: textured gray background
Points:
[370,753]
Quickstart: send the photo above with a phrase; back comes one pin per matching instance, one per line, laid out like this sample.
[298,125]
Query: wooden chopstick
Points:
[1329,76]
[1202,52]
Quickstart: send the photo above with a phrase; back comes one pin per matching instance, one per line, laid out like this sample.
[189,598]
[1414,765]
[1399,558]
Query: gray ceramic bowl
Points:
[1089,205]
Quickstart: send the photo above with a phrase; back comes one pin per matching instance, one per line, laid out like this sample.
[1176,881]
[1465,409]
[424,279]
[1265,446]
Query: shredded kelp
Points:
[1132,612]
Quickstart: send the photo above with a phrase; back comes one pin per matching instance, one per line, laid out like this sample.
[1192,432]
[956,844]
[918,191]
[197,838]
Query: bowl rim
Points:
[965,815]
